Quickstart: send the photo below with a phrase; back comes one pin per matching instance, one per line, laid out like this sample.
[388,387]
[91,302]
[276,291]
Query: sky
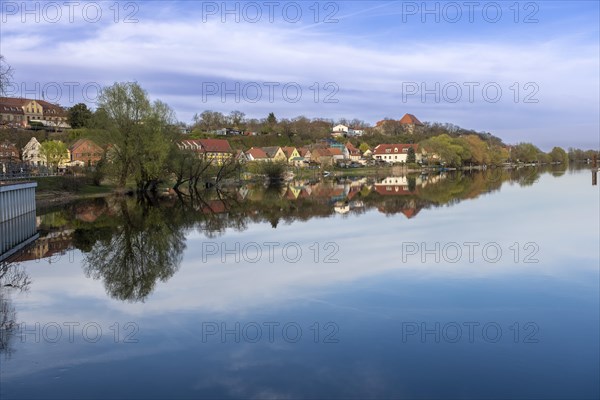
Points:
[524,71]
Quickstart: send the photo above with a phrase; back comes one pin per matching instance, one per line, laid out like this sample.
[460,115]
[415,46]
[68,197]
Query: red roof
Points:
[288,151]
[215,146]
[303,151]
[321,152]
[410,119]
[334,151]
[82,142]
[394,148]
[257,153]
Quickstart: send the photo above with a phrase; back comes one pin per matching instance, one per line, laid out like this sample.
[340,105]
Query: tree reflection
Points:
[147,246]
[12,277]
[131,244]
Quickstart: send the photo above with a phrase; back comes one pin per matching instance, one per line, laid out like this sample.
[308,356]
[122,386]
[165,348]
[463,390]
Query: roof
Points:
[322,152]
[288,151]
[351,147]
[410,119]
[271,150]
[335,151]
[81,142]
[193,144]
[215,146]
[8,104]
[303,151]
[393,148]
[257,153]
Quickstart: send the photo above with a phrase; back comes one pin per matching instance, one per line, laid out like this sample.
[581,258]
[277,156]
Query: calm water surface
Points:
[446,286]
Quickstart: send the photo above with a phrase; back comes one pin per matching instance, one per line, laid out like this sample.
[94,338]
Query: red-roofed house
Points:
[410,122]
[395,153]
[85,151]
[256,154]
[216,150]
[353,152]
[322,156]
[19,111]
[305,153]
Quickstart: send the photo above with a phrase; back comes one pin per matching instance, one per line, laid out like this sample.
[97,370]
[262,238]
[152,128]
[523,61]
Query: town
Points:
[41,138]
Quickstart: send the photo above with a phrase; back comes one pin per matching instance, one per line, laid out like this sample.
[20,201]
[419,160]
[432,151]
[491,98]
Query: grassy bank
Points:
[59,189]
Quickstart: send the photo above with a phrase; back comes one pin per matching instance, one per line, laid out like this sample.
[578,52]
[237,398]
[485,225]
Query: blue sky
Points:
[525,71]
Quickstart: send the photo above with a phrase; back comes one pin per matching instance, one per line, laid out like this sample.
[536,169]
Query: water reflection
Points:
[130,243]
[12,278]
[370,294]
[145,246]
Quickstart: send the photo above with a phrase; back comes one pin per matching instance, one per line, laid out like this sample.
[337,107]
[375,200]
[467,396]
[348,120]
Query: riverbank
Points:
[52,191]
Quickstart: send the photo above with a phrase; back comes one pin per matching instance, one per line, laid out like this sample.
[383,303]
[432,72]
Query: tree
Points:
[6,74]
[271,119]
[558,155]
[526,152]
[476,148]
[447,149]
[80,116]
[364,147]
[208,120]
[411,157]
[236,118]
[140,133]
[54,152]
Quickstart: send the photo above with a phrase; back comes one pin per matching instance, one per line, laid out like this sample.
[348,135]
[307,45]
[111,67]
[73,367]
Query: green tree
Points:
[54,152]
[526,152]
[140,133]
[364,147]
[477,151]
[558,155]
[79,116]
[411,157]
[447,149]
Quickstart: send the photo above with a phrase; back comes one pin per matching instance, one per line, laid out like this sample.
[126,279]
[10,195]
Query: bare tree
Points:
[6,74]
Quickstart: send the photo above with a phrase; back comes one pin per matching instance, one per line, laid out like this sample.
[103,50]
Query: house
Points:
[85,151]
[293,156]
[305,153]
[32,153]
[336,154]
[343,129]
[356,131]
[240,156]
[192,145]
[353,152]
[9,153]
[409,122]
[275,153]
[395,153]
[20,112]
[216,150]
[322,156]
[397,186]
[256,154]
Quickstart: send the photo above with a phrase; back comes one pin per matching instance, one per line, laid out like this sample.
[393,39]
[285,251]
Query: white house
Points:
[32,153]
[355,132]
[396,153]
[340,128]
